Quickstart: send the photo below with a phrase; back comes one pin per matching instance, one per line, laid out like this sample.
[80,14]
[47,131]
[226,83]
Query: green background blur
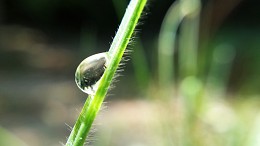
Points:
[43,41]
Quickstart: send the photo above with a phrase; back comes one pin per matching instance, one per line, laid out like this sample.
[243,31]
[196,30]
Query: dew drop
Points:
[89,72]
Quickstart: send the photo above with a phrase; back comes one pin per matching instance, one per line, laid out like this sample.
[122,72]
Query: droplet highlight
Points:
[89,72]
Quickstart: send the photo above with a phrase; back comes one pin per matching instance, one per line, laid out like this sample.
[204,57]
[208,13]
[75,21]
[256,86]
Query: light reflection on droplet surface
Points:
[89,72]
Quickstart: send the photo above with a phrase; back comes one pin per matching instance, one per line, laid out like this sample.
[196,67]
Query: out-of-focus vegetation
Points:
[217,103]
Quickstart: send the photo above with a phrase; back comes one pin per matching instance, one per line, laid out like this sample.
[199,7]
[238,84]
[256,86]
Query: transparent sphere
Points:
[89,72]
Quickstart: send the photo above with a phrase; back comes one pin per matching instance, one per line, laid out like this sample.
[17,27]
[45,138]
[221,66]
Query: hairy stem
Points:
[115,53]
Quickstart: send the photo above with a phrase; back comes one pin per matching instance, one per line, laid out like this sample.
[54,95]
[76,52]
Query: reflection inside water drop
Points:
[89,72]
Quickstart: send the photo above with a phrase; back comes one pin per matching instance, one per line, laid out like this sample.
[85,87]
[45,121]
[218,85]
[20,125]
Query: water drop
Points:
[89,72]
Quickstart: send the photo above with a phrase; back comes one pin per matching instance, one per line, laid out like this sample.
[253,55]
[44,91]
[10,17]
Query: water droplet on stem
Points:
[89,72]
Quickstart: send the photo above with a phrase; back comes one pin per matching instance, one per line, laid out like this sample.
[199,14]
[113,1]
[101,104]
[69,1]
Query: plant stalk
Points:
[115,53]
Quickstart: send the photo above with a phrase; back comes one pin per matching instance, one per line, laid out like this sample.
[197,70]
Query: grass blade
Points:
[115,53]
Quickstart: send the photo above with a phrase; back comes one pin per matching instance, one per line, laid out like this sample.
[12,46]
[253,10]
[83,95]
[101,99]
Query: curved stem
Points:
[166,45]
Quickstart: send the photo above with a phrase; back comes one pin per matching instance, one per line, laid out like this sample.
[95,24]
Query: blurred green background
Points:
[43,41]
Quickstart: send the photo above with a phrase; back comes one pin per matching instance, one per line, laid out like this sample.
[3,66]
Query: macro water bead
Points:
[89,72]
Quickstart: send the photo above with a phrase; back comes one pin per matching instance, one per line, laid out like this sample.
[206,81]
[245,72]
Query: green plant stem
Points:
[189,38]
[139,59]
[166,45]
[115,53]
[191,86]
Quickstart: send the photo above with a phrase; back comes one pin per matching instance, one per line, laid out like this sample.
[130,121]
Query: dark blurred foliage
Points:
[63,24]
